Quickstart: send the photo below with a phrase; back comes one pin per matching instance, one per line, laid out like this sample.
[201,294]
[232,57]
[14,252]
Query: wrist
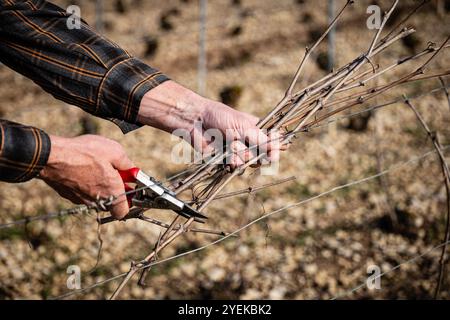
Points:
[58,144]
[170,106]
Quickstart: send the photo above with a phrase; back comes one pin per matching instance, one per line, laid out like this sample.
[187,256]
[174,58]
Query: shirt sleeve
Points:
[77,66]
[24,151]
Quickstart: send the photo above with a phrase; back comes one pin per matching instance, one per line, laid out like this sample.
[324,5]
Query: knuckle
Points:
[115,183]
[122,206]
[118,145]
[115,145]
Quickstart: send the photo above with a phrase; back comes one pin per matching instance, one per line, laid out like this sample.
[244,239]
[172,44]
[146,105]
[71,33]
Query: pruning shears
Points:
[151,194]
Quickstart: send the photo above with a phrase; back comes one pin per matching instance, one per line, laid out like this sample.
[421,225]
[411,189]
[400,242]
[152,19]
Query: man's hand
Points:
[171,107]
[83,168]
[246,140]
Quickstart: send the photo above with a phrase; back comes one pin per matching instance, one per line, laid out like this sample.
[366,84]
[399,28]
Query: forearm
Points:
[171,106]
[77,66]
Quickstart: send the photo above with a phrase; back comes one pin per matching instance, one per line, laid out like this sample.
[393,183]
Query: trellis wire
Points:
[285,208]
[287,109]
[99,23]
[263,217]
[85,208]
[398,266]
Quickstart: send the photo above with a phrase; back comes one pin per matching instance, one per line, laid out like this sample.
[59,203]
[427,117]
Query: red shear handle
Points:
[129,175]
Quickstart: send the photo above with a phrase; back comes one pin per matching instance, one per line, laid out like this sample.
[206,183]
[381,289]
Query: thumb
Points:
[119,208]
[121,162]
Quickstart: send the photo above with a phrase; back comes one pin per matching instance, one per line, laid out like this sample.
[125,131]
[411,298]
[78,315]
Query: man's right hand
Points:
[83,168]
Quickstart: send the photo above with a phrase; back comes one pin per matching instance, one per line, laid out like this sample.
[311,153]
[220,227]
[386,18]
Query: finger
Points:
[236,160]
[198,140]
[120,160]
[274,147]
[284,143]
[258,140]
[208,148]
[119,208]
[250,118]
[247,154]
[257,137]
[285,146]
[273,155]
[275,138]
[241,151]
[204,145]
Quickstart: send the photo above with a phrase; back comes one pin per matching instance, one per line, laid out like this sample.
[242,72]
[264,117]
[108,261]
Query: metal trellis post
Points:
[99,15]
[331,36]
[202,68]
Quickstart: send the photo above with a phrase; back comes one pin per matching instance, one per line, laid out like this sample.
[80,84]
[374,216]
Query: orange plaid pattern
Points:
[78,66]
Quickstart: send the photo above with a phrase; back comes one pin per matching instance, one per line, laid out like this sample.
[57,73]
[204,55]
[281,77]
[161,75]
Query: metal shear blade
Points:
[155,195]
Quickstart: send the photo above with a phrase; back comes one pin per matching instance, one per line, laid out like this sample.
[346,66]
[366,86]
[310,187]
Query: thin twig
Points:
[398,266]
[385,19]
[402,22]
[217,186]
[282,209]
[297,109]
[306,56]
[445,90]
[194,230]
[446,173]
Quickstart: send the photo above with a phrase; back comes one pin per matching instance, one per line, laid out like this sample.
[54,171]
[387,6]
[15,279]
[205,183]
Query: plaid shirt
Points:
[77,66]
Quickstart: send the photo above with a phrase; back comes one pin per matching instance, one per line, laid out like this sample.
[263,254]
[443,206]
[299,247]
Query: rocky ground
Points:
[318,250]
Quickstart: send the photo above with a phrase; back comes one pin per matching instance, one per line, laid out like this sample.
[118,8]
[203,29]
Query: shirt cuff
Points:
[122,89]
[24,151]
